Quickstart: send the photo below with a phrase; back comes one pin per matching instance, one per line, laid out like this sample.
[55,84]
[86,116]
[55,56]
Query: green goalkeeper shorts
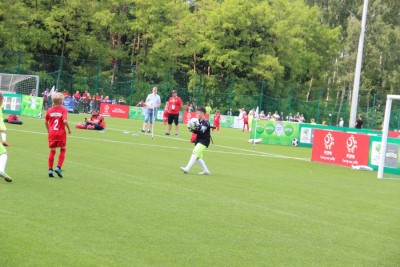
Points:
[198,150]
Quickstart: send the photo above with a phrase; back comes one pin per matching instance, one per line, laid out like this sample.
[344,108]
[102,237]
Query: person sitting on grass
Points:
[13,119]
[96,121]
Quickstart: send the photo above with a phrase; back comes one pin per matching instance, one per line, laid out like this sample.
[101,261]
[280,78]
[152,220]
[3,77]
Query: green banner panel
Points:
[12,104]
[136,113]
[225,121]
[392,159]
[275,132]
[31,106]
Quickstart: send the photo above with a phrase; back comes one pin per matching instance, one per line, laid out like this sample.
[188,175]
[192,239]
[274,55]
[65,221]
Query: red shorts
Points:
[55,144]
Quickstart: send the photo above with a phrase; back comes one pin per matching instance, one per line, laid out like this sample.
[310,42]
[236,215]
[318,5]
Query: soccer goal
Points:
[19,83]
[385,133]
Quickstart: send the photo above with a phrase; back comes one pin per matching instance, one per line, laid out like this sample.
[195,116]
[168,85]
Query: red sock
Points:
[51,158]
[61,157]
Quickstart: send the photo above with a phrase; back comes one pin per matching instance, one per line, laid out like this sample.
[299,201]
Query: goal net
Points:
[19,83]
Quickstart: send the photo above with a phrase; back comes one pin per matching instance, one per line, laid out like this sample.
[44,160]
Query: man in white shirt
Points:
[153,102]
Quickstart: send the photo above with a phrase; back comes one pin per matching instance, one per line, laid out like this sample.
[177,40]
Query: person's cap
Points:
[174,92]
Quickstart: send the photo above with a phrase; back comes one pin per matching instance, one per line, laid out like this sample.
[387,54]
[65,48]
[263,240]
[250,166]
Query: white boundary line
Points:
[243,152]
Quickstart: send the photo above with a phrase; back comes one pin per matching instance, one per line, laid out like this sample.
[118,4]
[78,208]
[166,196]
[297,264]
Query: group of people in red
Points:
[171,113]
[84,102]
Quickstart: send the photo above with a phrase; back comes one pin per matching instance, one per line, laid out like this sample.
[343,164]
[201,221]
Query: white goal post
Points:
[19,83]
[385,133]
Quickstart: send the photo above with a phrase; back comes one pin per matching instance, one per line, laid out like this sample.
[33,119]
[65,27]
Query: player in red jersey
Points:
[56,122]
[217,119]
[174,106]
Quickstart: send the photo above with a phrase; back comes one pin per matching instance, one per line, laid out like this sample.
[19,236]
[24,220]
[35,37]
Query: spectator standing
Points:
[45,95]
[359,122]
[174,106]
[208,108]
[217,120]
[186,106]
[341,122]
[153,101]
[77,99]
[140,103]
[121,101]
[56,122]
[85,101]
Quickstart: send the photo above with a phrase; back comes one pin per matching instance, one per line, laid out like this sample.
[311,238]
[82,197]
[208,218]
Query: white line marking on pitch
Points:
[244,152]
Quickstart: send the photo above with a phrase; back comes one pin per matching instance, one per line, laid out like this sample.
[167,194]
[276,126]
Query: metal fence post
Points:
[59,72]
[19,61]
[132,87]
[261,95]
[231,93]
[98,75]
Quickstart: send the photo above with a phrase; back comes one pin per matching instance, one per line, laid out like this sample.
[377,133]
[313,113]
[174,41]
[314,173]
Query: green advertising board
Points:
[392,158]
[136,113]
[12,104]
[225,121]
[274,132]
[31,106]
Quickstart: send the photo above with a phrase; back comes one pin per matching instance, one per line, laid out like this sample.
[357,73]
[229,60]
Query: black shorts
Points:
[173,118]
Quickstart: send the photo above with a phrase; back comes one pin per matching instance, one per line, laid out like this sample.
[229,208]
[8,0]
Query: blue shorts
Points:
[148,115]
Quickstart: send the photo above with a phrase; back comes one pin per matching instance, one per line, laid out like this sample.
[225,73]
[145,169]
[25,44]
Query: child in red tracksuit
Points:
[165,114]
[245,121]
[217,119]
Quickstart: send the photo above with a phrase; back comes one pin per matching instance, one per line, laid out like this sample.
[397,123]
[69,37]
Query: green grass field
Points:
[124,201]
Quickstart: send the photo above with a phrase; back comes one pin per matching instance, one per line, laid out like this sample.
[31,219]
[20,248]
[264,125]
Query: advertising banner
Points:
[31,106]
[392,156]
[393,134]
[345,149]
[136,113]
[114,110]
[12,104]
[275,132]
[225,121]
[307,132]
[68,104]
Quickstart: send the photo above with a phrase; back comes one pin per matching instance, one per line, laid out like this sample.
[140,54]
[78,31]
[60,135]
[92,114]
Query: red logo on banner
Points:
[112,110]
[345,149]
[188,115]
[394,134]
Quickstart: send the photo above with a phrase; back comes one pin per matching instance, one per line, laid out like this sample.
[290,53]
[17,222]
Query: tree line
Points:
[309,43]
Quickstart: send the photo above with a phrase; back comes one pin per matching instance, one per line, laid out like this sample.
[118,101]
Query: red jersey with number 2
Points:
[55,118]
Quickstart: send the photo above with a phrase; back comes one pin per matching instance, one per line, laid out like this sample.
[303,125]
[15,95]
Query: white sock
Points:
[3,136]
[192,160]
[3,161]
[203,165]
